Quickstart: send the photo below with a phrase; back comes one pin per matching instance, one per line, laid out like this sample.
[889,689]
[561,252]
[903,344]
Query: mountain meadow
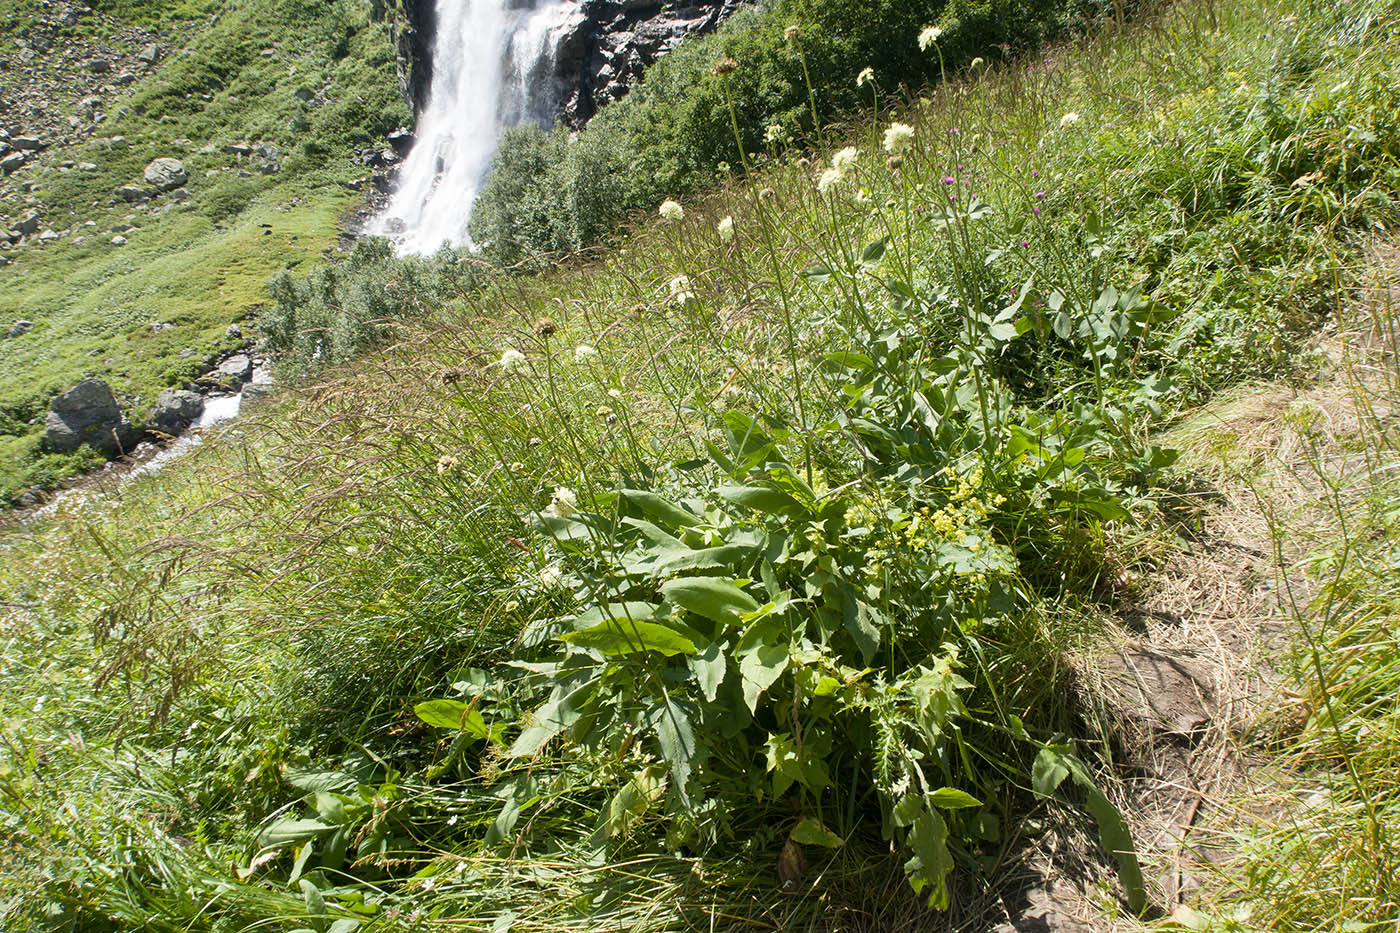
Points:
[907,465]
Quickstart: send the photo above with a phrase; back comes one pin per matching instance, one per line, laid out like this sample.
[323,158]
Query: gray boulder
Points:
[12,163]
[134,193]
[19,328]
[166,173]
[28,143]
[175,411]
[88,414]
[28,223]
[150,53]
[235,370]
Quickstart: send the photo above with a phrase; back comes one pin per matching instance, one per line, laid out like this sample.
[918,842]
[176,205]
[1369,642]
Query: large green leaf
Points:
[713,598]
[760,667]
[763,499]
[668,513]
[630,636]
[452,714]
[811,832]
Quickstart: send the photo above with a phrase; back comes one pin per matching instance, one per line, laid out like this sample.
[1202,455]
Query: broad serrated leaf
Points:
[709,667]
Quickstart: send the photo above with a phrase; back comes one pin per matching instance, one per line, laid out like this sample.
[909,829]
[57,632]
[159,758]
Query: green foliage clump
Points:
[340,309]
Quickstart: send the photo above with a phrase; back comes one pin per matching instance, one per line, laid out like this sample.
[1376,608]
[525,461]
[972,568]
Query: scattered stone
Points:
[150,53]
[135,193]
[19,328]
[125,79]
[166,173]
[48,236]
[255,392]
[12,163]
[87,166]
[89,107]
[99,66]
[187,353]
[233,331]
[28,223]
[88,414]
[175,411]
[31,143]
[118,142]
[119,240]
[238,149]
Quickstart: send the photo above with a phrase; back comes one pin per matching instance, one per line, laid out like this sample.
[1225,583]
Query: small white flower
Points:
[1069,120]
[512,359]
[977,62]
[353,550]
[614,393]
[865,77]
[725,229]
[845,160]
[681,292]
[583,353]
[774,133]
[928,37]
[446,463]
[671,210]
[564,503]
[550,577]
[828,178]
[899,138]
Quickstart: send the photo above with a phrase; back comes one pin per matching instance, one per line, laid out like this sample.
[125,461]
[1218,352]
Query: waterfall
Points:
[493,67]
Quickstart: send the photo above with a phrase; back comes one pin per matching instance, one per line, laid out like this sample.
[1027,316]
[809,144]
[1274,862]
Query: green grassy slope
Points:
[313,80]
[861,455]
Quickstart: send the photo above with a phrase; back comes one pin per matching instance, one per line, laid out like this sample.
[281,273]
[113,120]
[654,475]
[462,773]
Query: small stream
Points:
[116,474]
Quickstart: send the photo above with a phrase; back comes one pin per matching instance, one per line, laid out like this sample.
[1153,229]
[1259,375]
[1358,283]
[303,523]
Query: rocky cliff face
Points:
[600,58]
[616,40]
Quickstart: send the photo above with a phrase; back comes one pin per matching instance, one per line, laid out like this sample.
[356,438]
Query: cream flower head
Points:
[672,210]
[899,138]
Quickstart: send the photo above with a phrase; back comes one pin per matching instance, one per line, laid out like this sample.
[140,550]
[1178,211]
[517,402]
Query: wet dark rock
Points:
[175,411]
[88,414]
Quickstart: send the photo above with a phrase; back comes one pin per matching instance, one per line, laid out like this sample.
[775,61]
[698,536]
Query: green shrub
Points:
[343,308]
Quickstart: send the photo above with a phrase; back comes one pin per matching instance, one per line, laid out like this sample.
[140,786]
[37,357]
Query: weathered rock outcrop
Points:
[605,54]
[166,174]
[88,414]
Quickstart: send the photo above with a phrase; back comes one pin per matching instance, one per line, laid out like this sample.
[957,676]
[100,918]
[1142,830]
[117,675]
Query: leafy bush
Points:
[342,308]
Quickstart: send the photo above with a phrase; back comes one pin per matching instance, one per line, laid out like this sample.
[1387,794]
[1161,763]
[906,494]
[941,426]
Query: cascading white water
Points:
[492,69]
